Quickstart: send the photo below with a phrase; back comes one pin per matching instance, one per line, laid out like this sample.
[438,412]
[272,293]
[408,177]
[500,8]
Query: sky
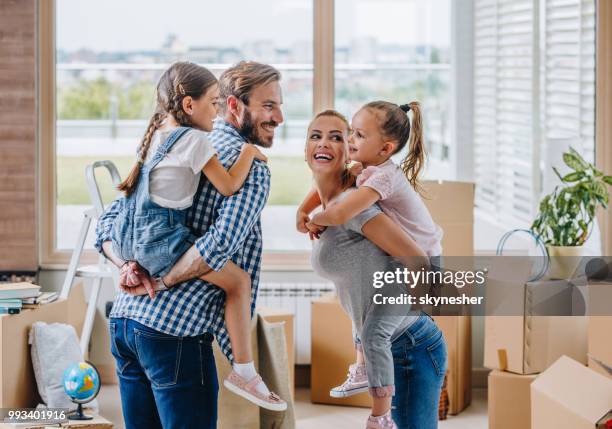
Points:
[128,25]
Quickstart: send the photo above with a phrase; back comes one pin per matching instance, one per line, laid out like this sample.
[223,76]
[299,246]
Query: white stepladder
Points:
[102,270]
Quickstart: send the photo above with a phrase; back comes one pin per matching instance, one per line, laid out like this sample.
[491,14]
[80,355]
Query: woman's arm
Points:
[229,181]
[394,241]
[311,202]
[339,213]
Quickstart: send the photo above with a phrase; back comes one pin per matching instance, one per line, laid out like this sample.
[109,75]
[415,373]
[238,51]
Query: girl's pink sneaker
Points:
[381,422]
[356,382]
[248,390]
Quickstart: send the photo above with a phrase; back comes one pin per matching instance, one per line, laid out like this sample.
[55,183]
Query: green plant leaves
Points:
[573,161]
[566,215]
[573,177]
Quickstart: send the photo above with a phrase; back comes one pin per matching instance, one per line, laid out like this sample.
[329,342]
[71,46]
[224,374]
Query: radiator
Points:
[294,298]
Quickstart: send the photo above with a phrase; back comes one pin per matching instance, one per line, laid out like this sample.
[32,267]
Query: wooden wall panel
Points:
[603,122]
[18,122]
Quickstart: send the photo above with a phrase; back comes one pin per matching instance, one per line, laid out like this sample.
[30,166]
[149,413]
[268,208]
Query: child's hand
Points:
[356,169]
[300,221]
[254,150]
[314,230]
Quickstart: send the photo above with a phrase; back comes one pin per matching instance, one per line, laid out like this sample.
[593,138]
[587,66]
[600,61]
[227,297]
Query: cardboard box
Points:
[528,345]
[525,343]
[333,351]
[509,400]
[600,344]
[569,395]
[275,315]
[451,205]
[457,331]
[600,329]
[19,388]
[98,422]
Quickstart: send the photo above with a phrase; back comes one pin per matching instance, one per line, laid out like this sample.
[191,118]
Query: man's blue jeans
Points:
[420,361]
[165,381]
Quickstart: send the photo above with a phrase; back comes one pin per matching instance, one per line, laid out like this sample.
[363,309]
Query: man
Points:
[163,346]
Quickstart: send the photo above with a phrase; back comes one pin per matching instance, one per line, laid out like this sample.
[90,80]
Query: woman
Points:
[405,353]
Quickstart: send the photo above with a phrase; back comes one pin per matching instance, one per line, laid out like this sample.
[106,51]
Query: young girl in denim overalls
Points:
[151,227]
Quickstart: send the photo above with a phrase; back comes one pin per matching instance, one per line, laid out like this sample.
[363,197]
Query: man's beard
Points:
[250,131]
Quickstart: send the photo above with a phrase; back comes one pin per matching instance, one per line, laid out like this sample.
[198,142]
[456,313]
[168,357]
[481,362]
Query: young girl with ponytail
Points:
[381,129]
[151,226]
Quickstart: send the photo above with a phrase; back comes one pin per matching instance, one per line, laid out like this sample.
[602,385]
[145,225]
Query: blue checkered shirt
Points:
[228,227]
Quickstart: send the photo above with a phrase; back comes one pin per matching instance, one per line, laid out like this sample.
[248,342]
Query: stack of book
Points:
[15,296]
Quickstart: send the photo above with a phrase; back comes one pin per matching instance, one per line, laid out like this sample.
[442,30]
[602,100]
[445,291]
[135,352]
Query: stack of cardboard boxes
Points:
[539,379]
[451,206]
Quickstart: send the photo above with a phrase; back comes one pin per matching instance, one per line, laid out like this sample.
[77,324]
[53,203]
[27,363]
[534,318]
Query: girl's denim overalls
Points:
[154,236]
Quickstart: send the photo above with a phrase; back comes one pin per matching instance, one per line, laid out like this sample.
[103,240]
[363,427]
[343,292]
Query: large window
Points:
[525,69]
[105,76]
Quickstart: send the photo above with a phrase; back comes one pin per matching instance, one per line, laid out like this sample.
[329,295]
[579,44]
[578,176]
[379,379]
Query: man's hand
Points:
[134,280]
[134,290]
[301,220]
[314,230]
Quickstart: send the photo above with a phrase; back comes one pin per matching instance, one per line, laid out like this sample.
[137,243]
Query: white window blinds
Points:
[533,83]
[505,108]
[569,73]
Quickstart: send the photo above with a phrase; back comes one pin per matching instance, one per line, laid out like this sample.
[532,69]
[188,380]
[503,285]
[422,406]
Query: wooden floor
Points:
[310,416]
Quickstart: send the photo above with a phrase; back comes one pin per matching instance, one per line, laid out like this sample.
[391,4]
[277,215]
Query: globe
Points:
[81,382]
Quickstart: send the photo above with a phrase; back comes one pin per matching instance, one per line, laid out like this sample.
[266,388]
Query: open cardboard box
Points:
[19,388]
[568,395]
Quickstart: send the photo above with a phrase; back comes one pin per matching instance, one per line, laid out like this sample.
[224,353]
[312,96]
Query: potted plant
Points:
[566,216]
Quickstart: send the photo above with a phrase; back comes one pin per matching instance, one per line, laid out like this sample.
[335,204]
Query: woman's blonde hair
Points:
[395,125]
[182,79]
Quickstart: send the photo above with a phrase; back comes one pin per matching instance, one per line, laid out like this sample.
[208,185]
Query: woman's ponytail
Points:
[413,162]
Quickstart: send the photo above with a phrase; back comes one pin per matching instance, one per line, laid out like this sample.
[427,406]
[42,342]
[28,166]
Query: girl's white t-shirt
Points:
[174,180]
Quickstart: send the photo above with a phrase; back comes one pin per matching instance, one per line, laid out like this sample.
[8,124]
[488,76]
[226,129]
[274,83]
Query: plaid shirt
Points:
[228,227]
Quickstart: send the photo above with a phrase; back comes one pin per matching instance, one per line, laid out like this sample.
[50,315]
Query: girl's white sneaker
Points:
[356,382]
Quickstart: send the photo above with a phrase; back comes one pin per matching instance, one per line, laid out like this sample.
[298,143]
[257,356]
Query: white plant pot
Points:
[564,260]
